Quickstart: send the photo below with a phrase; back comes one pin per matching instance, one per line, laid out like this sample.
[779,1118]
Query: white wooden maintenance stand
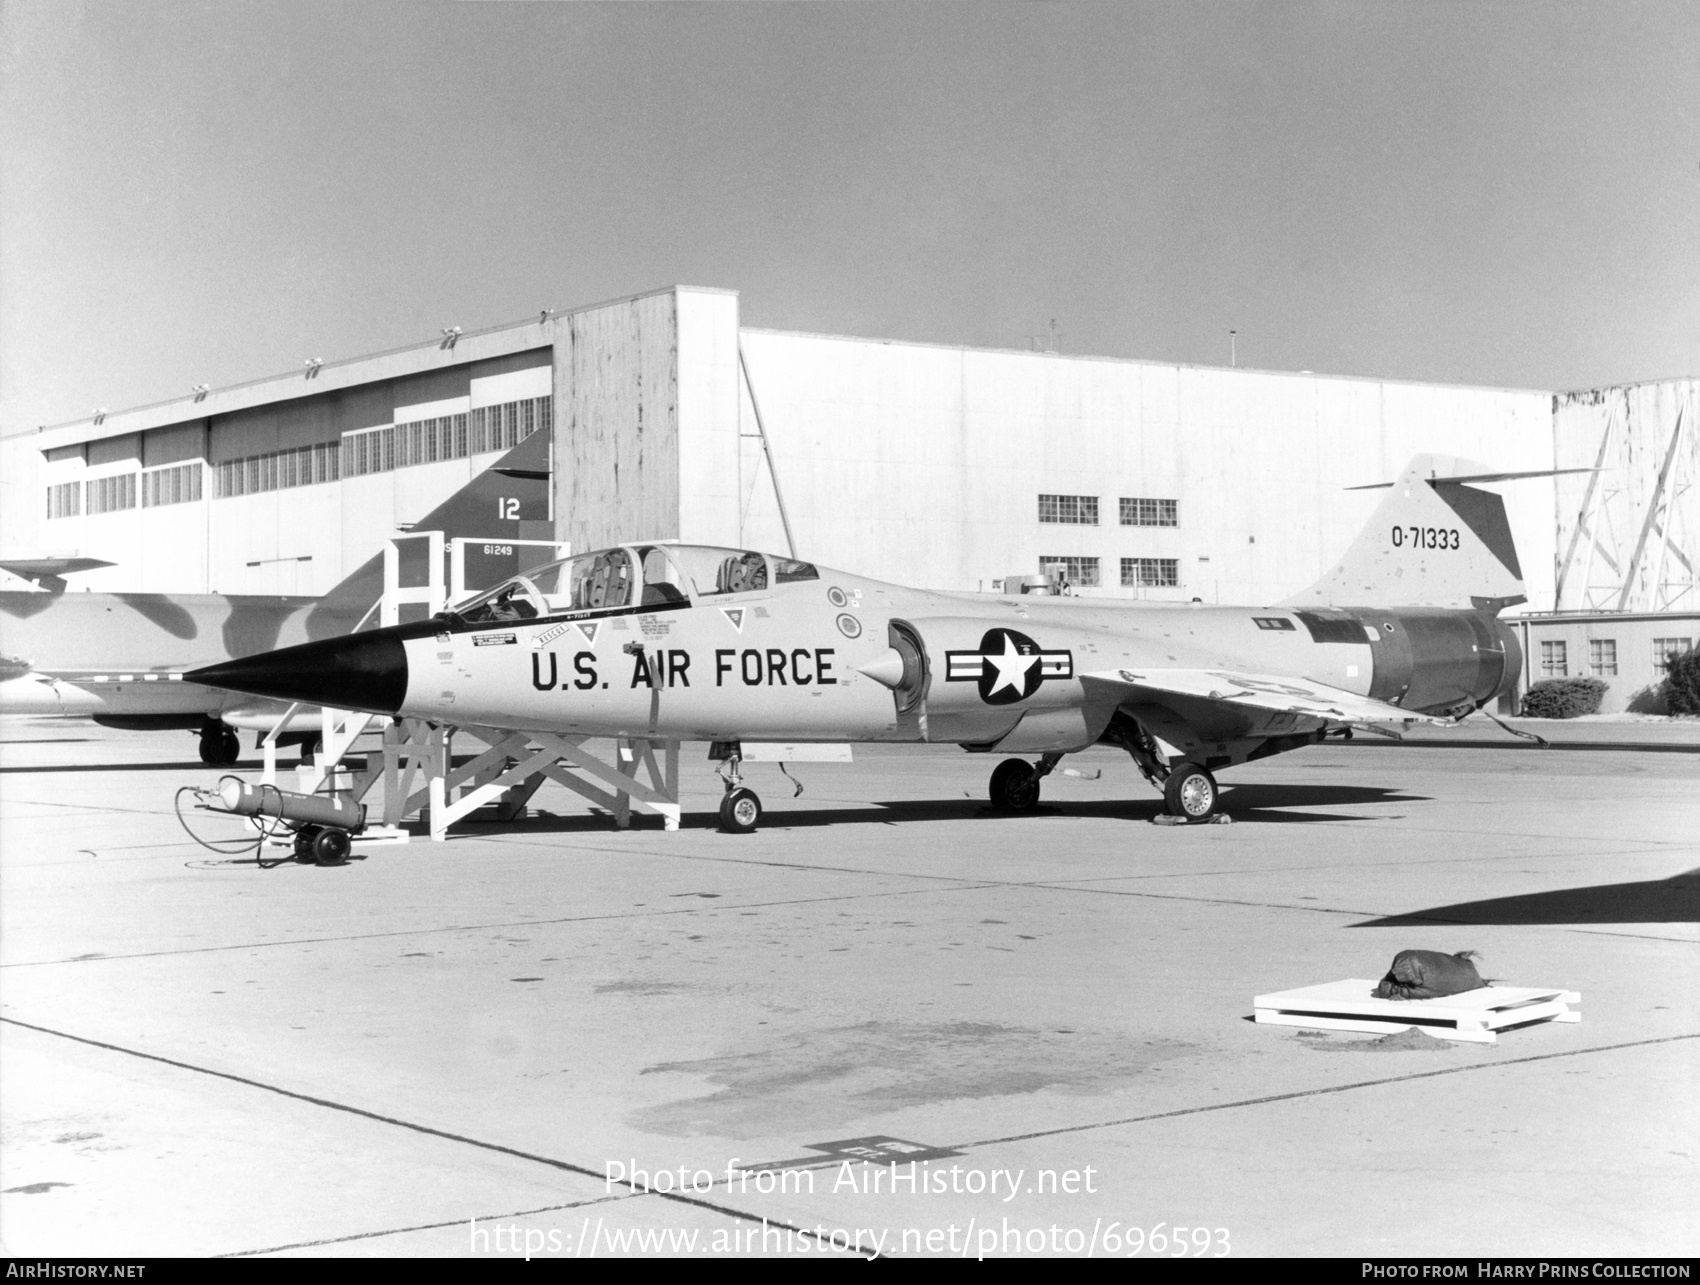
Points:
[413,761]
[1475,1016]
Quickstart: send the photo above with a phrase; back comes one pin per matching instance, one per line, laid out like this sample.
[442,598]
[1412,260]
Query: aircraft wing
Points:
[1265,691]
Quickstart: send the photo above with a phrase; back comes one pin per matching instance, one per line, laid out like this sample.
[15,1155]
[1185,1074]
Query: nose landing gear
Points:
[740,811]
[740,808]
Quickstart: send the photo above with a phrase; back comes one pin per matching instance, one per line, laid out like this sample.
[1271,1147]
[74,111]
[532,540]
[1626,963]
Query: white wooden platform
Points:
[1477,1016]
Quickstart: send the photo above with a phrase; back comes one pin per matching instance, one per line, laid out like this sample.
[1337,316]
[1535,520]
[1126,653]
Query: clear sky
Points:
[1494,193]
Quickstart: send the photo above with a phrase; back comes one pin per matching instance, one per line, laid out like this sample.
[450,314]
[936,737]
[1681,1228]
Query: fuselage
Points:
[815,654]
[123,655]
[785,664]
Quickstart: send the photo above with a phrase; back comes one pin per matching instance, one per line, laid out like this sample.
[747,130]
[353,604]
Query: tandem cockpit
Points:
[631,577]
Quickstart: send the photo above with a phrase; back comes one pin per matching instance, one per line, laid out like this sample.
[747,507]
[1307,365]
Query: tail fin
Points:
[1434,542]
[500,503]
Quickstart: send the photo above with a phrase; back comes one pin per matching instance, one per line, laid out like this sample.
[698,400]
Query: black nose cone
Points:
[361,671]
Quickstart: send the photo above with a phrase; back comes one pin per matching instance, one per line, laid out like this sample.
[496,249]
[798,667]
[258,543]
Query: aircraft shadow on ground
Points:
[286,765]
[1264,800]
[193,765]
[1246,803]
[1654,901]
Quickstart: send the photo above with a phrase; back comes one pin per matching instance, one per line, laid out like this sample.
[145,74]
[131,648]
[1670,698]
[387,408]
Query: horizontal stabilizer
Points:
[50,573]
[30,568]
[1265,691]
[1463,478]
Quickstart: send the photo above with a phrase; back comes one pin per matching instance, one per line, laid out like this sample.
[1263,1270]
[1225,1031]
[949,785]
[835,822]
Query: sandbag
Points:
[1428,974]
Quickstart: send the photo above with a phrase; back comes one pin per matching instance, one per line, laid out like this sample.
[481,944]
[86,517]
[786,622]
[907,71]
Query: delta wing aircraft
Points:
[685,642]
[120,658]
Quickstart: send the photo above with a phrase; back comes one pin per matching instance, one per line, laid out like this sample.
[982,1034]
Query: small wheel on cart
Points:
[304,843]
[1015,786]
[331,846]
[740,811]
[1190,793]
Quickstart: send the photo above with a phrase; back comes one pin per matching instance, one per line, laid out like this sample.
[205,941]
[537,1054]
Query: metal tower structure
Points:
[1629,532]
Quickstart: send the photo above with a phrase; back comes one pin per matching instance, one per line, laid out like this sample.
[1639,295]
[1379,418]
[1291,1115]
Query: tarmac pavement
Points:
[448,1048]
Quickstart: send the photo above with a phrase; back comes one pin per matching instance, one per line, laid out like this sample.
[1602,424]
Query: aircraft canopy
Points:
[639,575]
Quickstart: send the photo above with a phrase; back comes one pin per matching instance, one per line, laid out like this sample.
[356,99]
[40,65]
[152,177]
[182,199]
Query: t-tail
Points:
[1435,541]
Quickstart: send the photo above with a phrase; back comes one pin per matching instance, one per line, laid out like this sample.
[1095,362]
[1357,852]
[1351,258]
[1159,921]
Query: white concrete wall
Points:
[923,464]
[24,529]
[173,545]
[708,402]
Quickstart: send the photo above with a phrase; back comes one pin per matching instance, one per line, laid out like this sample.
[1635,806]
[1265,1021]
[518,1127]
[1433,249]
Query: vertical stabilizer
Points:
[1434,542]
[493,505]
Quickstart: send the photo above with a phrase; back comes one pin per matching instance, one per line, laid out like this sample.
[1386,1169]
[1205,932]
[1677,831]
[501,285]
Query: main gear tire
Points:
[1014,786]
[220,747]
[740,811]
[1190,793]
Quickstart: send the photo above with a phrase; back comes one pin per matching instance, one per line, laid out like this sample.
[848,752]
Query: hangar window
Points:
[501,428]
[1156,573]
[1074,571]
[1555,662]
[1602,657]
[65,500]
[176,485]
[280,470]
[110,494]
[1069,510]
[1140,511]
[1664,650]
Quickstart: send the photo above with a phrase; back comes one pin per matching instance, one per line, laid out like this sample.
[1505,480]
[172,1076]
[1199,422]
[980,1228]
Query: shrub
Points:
[1682,683]
[1564,698]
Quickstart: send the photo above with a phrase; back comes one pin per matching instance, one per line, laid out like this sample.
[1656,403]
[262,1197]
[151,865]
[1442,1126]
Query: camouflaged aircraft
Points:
[121,658]
[685,642]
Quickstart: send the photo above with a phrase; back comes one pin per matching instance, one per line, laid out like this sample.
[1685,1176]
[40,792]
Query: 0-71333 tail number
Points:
[1425,537]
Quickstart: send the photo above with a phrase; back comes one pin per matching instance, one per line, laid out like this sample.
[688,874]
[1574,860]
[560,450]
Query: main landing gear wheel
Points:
[331,846]
[1190,793]
[740,810]
[1015,786]
[220,747]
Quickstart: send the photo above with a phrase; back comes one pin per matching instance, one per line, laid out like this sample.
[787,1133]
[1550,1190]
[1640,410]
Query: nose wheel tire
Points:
[740,811]
[1014,786]
[1190,793]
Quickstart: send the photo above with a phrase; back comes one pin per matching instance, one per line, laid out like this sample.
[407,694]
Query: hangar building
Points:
[932,465]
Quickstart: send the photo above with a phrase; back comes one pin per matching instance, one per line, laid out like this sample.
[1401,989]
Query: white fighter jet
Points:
[692,643]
